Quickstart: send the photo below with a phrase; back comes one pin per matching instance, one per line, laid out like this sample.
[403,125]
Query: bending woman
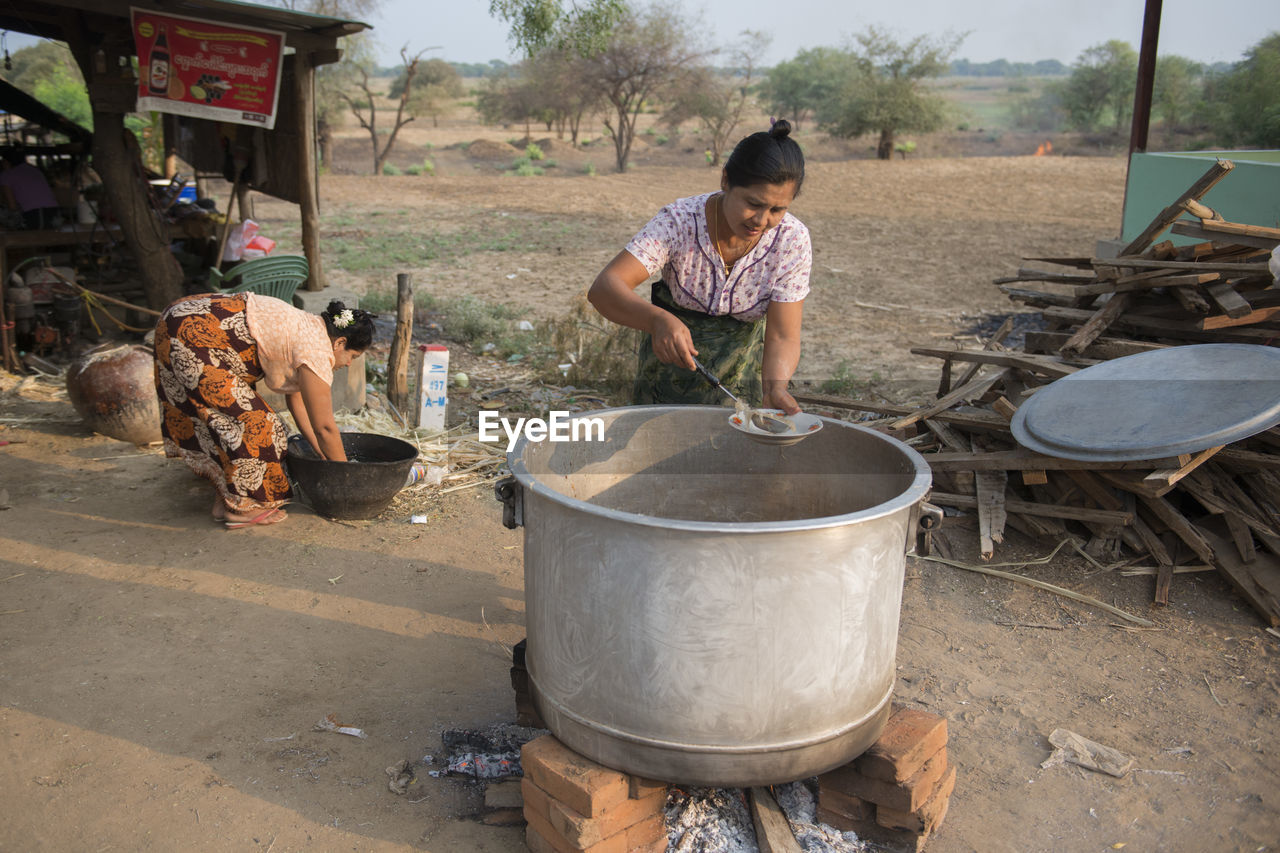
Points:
[735,271]
[210,351]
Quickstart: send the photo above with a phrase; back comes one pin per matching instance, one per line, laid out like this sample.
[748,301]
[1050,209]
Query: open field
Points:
[160,676]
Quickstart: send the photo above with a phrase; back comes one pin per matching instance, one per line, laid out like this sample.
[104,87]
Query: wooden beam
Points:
[1046,366]
[398,360]
[1225,297]
[1202,232]
[1045,510]
[773,830]
[970,389]
[1026,460]
[1157,278]
[1165,218]
[1096,324]
[1159,327]
[1249,318]
[308,175]
[1233,268]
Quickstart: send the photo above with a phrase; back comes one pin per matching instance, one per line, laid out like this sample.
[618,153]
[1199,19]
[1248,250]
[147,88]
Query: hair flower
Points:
[344,319]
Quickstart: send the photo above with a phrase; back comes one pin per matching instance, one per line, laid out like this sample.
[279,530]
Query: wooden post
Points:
[308,180]
[398,361]
[1146,76]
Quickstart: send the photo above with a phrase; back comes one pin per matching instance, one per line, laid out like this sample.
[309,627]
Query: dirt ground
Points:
[160,676]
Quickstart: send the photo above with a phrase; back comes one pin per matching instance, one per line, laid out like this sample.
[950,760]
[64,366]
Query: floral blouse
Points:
[288,338]
[677,244]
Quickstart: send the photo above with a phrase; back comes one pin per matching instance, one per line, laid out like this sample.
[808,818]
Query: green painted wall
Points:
[1249,194]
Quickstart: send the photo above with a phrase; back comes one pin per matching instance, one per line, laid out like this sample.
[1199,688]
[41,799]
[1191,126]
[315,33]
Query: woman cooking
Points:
[210,350]
[735,272]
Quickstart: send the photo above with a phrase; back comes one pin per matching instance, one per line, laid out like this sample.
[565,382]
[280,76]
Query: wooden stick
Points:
[398,360]
[103,296]
[226,226]
[1165,218]
[998,338]
[1096,324]
[1051,367]
[1206,231]
[1238,268]
[1048,587]
[964,392]
[1250,318]
[1044,510]
[1225,297]
[773,830]
[1147,281]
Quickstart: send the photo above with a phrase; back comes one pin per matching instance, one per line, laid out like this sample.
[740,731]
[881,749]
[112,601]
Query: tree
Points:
[795,89]
[716,99]
[365,108]
[1248,97]
[1101,84]
[435,88]
[1177,88]
[649,54]
[884,90]
[512,96]
[540,24]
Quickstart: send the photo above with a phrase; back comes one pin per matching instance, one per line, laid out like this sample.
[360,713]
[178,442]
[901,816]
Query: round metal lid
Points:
[1155,404]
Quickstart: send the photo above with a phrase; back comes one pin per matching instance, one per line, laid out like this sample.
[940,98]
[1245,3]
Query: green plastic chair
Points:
[274,275]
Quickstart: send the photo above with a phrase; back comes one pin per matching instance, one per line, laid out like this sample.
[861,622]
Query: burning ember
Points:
[1043,149]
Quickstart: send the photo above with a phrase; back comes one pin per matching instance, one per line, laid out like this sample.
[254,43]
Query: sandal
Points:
[275,515]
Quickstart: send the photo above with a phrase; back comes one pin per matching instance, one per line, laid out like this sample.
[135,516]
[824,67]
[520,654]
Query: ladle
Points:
[764,420]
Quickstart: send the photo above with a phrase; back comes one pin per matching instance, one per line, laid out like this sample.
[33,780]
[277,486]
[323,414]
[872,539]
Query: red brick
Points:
[583,832]
[909,739]
[847,805]
[648,832]
[925,819]
[639,787]
[576,781]
[538,826]
[658,845]
[904,796]
[892,840]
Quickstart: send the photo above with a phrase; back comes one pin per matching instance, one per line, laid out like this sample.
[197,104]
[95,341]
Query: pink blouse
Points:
[676,243]
[288,338]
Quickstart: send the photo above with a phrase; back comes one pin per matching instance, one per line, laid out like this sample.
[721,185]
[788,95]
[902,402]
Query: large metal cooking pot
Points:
[705,610]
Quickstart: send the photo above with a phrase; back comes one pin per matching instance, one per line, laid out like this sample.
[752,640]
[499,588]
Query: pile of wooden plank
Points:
[1218,509]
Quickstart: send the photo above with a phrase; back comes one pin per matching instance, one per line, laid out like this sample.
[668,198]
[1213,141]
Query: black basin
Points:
[361,488]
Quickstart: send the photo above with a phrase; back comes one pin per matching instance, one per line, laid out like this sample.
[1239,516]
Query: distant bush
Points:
[533,152]
[391,169]
[426,167]
[589,170]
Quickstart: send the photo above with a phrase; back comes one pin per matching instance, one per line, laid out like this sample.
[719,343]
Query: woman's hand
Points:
[672,342]
[776,396]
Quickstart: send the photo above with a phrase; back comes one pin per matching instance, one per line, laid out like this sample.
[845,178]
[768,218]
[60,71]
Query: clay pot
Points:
[113,388]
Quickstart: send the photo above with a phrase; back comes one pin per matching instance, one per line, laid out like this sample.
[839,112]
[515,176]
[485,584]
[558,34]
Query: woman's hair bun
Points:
[336,307]
[781,129]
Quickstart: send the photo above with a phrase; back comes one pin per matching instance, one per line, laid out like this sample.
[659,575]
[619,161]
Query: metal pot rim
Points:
[912,495]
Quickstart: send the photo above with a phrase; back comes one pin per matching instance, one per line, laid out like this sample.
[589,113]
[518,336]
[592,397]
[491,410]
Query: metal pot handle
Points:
[925,519]
[509,492]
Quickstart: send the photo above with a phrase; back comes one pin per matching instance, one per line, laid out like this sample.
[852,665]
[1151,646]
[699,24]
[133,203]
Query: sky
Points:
[1016,30]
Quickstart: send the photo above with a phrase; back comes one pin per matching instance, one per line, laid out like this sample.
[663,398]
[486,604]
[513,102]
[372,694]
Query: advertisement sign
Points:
[199,68]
